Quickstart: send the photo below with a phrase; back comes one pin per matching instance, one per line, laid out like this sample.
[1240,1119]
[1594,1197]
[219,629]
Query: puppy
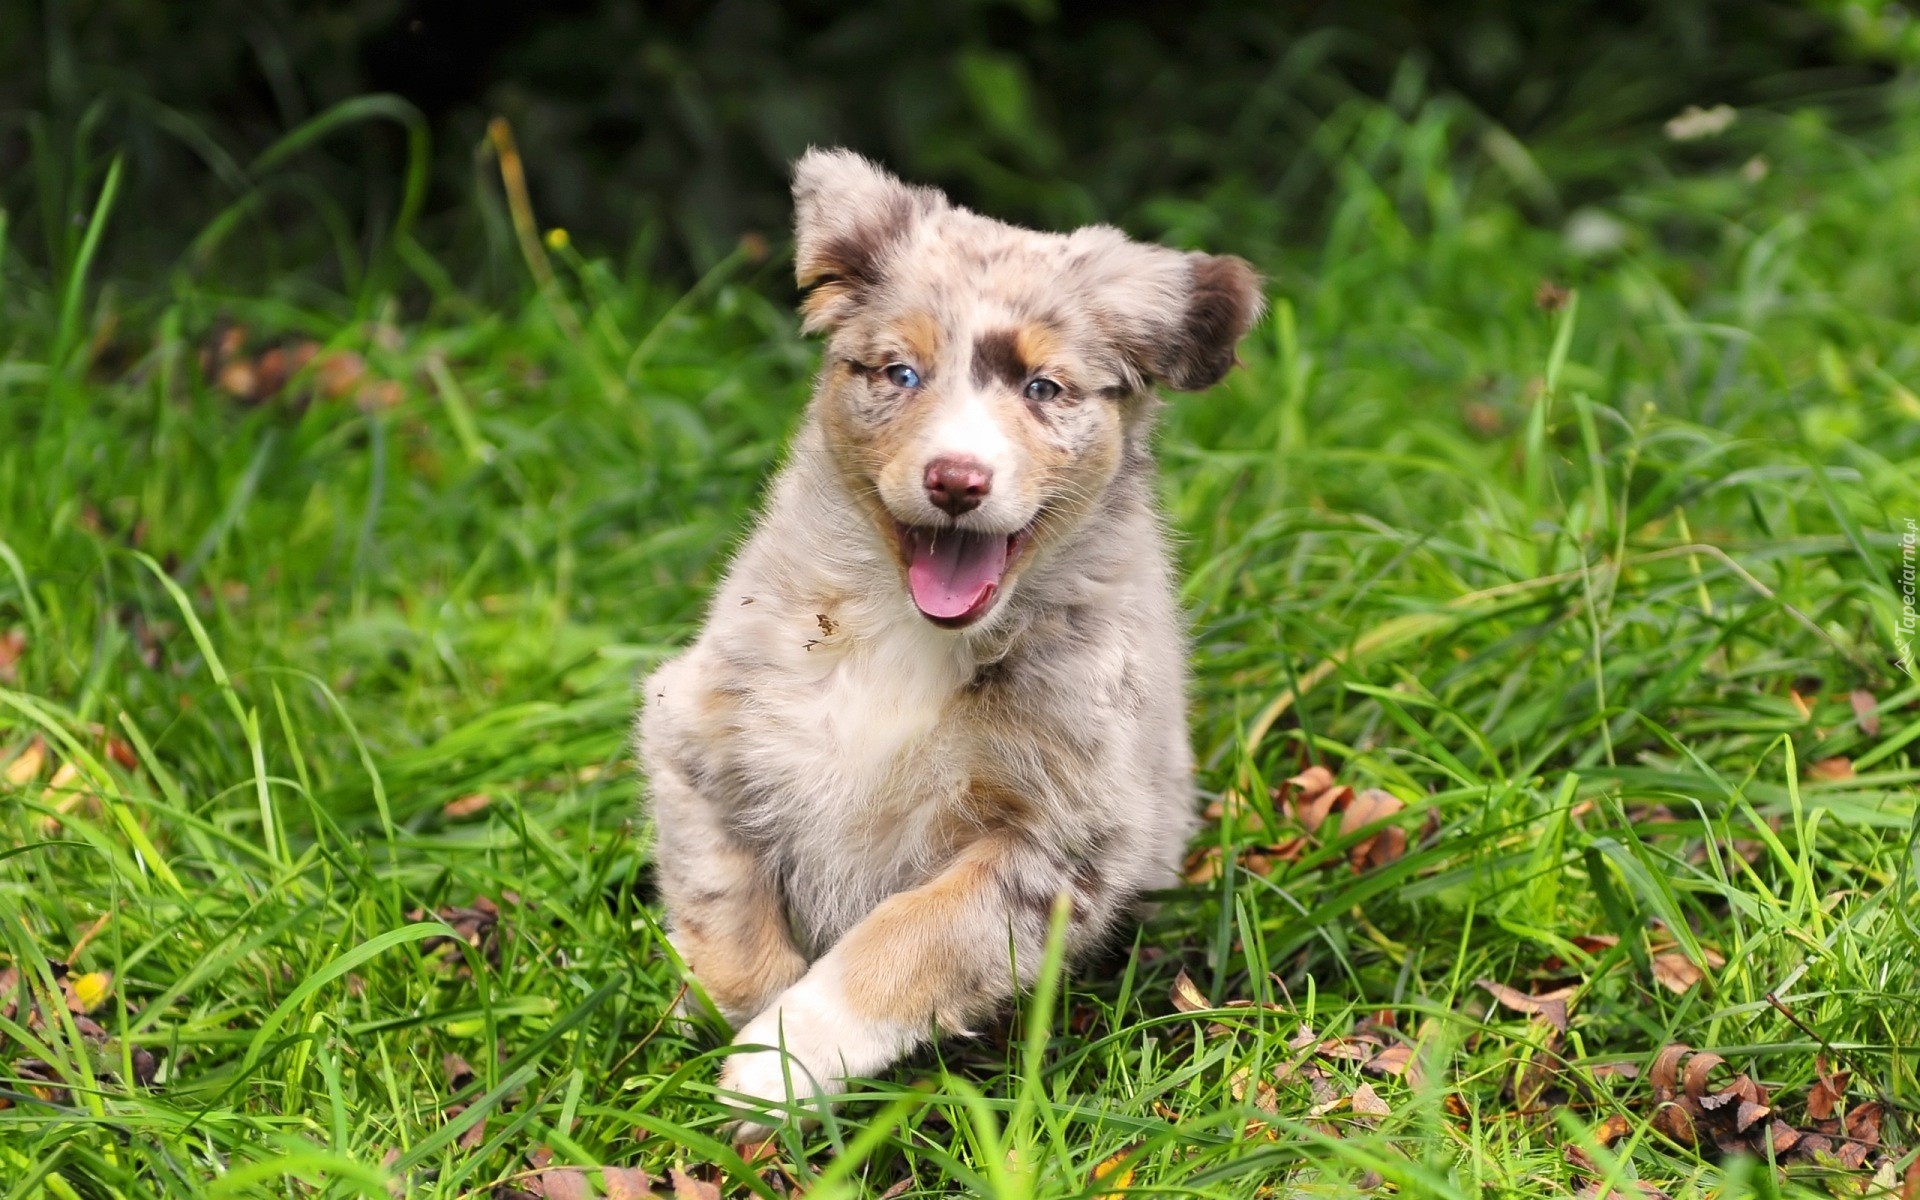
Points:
[943,681]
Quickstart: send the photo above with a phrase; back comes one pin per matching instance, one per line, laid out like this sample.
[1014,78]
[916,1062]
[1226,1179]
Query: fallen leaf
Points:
[465,806]
[1368,1103]
[1265,1098]
[1111,1176]
[1676,972]
[1202,865]
[1830,770]
[1693,1077]
[1368,808]
[1187,997]
[1866,711]
[338,374]
[477,924]
[559,1183]
[1829,1091]
[121,752]
[1311,782]
[625,1183]
[1399,1062]
[686,1187]
[26,765]
[1748,1113]
[1551,1008]
[13,644]
[1330,1105]
[1863,1123]
[1612,1129]
[1782,1136]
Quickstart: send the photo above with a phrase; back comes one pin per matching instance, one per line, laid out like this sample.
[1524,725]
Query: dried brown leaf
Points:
[1673,1119]
[1612,1129]
[459,1074]
[1397,1062]
[26,765]
[1368,1103]
[1608,1070]
[1830,770]
[1315,812]
[559,1183]
[1829,1091]
[1866,711]
[1551,1008]
[1202,866]
[13,644]
[624,1183]
[1310,783]
[1187,996]
[121,751]
[686,1187]
[466,806]
[1265,1097]
[1330,1105]
[1863,1122]
[1693,1078]
[1782,1136]
[1676,972]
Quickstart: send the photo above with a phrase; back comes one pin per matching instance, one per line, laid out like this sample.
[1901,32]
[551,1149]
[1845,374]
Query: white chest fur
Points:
[855,729]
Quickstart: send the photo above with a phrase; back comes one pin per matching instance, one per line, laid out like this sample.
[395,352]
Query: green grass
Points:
[1588,589]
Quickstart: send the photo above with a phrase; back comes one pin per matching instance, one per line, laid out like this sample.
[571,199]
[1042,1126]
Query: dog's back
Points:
[943,682]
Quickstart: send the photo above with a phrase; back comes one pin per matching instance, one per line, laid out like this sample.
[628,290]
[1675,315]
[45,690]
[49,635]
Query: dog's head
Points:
[980,380]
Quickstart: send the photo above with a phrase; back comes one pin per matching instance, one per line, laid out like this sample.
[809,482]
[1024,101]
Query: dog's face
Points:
[981,380]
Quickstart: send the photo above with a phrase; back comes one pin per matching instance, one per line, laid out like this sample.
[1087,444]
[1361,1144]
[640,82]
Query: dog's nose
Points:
[957,485]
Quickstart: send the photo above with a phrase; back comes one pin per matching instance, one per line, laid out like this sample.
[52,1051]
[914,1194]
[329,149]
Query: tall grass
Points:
[1585,577]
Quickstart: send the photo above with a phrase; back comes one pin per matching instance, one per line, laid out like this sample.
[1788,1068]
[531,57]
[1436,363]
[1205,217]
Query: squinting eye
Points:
[1042,390]
[903,375]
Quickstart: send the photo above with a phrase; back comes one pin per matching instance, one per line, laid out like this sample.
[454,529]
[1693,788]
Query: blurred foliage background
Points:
[661,131]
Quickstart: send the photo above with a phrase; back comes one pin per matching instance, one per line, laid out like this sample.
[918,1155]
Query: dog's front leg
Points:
[937,955]
[725,915]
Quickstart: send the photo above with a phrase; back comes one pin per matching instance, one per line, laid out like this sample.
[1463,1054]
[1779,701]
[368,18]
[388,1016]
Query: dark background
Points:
[660,132]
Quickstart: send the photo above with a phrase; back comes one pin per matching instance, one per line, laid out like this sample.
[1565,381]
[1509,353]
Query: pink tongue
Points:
[951,572]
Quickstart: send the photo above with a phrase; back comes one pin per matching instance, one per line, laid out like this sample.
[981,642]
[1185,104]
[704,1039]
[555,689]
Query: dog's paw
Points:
[771,1087]
[797,1055]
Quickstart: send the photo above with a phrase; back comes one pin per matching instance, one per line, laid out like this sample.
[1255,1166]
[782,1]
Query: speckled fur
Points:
[859,812]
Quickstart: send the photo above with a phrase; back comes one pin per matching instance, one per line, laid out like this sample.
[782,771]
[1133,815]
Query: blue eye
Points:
[1042,390]
[902,375]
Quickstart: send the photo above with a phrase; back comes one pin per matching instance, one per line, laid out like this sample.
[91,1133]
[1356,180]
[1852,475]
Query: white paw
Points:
[815,1043]
[775,1087]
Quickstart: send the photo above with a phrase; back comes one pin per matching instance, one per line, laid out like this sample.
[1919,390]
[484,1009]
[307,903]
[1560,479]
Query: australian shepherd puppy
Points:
[943,683]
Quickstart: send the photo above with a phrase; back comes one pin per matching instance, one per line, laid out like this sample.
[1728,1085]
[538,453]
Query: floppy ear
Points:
[1222,301]
[1175,317]
[849,215]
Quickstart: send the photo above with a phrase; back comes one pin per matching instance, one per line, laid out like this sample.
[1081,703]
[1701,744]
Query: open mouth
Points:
[954,574]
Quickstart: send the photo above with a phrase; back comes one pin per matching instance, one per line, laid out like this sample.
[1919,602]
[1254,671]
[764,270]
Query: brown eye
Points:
[1042,390]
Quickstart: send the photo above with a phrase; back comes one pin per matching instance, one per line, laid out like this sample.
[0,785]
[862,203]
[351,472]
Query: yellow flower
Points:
[557,238]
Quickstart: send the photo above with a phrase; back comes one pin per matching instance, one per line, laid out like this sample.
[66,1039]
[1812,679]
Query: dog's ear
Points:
[1175,316]
[849,216]
[1222,301]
